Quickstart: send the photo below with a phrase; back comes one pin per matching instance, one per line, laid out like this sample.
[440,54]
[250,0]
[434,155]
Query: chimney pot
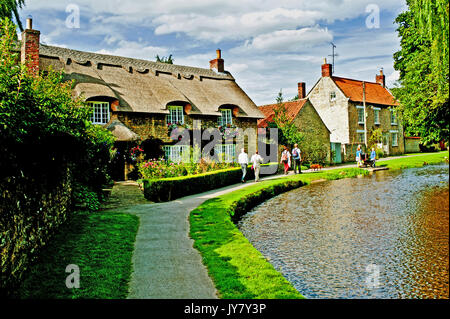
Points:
[29,23]
[219,53]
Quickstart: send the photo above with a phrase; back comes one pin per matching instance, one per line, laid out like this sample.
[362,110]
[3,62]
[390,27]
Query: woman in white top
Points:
[286,160]
[257,160]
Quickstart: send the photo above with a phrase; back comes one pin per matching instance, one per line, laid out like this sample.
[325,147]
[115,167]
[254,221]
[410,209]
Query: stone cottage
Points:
[306,118]
[138,100]
[354,109]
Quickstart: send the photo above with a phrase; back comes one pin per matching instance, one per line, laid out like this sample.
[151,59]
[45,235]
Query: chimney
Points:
[218,63]
[301,90]
[381,78]
[326,69]
[29,52]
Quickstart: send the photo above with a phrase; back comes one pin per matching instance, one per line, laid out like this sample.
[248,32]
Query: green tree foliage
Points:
[289,134]
[42,126]
[10,9]
[168,60]
[423,62]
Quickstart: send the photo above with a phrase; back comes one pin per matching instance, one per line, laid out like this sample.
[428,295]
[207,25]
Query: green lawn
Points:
[100,243]
[236,267]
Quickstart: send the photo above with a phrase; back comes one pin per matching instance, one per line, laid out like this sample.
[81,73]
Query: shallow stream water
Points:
[382,236]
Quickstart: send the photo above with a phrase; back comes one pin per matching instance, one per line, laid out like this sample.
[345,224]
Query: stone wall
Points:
[333,113]
[31,211]
[314,130]
[412,145]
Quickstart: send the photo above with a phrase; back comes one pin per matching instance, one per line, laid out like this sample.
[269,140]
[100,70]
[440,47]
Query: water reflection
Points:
[322,237]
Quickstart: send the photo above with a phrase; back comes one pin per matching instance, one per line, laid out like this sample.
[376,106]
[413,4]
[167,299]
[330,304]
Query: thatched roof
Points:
[146,86]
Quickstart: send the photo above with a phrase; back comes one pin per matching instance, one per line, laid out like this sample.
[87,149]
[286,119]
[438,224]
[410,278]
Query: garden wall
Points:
[31,210]
[168,189]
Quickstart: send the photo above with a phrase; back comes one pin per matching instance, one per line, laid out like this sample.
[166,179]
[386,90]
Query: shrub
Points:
[166,189]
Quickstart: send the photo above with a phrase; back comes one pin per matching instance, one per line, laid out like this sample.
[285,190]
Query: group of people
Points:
[296,156]
[360,156]
[257,160]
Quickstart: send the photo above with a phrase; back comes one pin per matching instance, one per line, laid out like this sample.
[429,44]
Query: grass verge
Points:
[236,267]
[101,244]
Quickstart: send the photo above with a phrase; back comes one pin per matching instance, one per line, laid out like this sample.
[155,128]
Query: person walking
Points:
[373,157]
[256,160]
[286,160]
[297,157]
[358,156]
[243,161]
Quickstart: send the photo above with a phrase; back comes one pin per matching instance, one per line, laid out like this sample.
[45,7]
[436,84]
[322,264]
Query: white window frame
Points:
[229,151]
[100,112]
[376,110]
[177,153]
[226,117]
[358,132]
[394,119]
[394,133]
[176,114]
[358,108]
[333,96]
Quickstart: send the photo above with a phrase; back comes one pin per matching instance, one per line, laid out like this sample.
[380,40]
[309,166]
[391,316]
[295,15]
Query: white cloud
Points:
[135,50]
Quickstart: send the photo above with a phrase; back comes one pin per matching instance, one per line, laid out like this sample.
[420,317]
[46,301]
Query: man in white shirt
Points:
[257,160]
[243,160]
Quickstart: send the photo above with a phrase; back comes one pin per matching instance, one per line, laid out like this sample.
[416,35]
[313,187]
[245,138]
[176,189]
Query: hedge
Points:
[167,189]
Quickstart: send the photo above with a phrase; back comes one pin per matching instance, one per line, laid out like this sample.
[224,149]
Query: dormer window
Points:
[100,113]
[176,114]
[226,118]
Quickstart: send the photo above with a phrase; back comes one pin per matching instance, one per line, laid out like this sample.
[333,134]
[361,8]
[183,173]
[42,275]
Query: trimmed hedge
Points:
[167,189]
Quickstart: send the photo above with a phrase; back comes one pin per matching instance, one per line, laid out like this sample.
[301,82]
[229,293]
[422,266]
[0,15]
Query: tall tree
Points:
[423,62]
[10,9]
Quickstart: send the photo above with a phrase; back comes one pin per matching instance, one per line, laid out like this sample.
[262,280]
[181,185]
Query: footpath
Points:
[165,263]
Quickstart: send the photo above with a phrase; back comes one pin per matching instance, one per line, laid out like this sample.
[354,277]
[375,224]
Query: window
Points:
[360,110]
[394,135]
[376,115]
[100,113]
[332,96]
[393,117]
[177,153]
[226,117]
[176,115]
[225,152]
[360,136]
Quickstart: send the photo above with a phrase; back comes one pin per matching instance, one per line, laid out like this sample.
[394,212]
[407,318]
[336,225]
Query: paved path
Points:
[166,266]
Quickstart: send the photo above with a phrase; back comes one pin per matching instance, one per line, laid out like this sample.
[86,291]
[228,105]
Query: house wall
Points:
[333,113]
[313,128]
[385,126]
[154,125]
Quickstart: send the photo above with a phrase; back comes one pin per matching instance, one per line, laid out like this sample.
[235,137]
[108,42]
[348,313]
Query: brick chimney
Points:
[301,90]
[381,78]
[218,63]
[29,52]
[326,69]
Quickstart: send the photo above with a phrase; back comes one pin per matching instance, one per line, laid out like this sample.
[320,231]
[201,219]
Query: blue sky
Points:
[266,45]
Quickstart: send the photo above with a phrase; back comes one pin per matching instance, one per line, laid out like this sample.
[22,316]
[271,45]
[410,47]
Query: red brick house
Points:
[137,99]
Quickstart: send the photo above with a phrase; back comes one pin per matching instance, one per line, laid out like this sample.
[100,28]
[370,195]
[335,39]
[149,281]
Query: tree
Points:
[168,60]
[423,62]
[289,134]
[10,8]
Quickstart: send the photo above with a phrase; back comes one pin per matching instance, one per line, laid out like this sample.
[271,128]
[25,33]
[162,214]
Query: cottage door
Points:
[385,141]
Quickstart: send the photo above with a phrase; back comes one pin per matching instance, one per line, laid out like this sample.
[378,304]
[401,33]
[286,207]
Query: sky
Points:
[267,46]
